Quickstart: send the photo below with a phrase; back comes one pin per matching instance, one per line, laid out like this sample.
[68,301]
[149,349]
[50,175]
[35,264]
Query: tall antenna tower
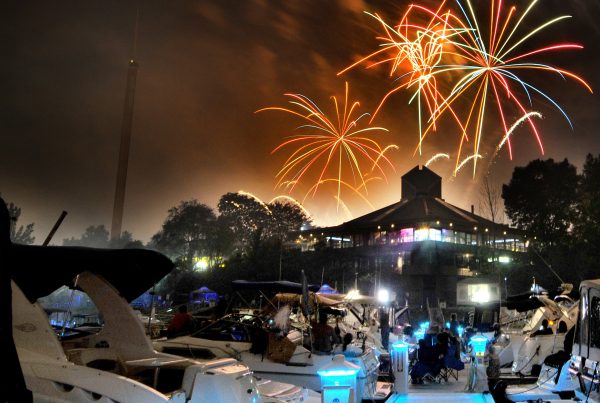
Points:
[132,69]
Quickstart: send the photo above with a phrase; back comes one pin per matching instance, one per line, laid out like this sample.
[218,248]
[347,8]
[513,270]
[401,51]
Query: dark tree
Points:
[187,234]
[286,220]
[19,234]
[541,199]
[247,218]
[587,229]
[125,241]
[95,236]
[586,226]
[12,382]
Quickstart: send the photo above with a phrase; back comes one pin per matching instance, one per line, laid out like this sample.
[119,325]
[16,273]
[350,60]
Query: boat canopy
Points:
[528,301]
[275,286]
[318,298]
[39,270]
[523,302]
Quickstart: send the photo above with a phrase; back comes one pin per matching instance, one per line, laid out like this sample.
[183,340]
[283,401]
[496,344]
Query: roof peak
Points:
[421,181]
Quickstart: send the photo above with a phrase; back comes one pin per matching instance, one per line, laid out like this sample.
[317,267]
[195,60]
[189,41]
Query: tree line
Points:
[557,207]
[559,210]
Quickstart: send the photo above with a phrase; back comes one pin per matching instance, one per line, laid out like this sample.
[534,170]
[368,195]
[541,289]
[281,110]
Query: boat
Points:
[118,361]
[518,345]
[573,377]
[252,339]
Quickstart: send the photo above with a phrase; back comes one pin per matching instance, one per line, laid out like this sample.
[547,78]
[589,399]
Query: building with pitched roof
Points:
[424,246]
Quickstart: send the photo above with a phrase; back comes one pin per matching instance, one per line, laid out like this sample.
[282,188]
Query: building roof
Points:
[421,181]
[418,210]
[418,207]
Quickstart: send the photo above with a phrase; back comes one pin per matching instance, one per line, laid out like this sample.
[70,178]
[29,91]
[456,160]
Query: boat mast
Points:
[126,124]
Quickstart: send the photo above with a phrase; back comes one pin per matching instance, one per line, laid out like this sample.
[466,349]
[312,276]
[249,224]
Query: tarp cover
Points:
[275,286]
[39,270]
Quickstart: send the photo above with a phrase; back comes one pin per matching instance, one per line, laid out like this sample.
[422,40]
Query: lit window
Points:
[421,234]
[406,235]
[504,259]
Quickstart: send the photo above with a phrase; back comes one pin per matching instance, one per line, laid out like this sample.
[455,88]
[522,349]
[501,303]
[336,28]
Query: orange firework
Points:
[338,148]
[414,51]
[480,63]
[489,69]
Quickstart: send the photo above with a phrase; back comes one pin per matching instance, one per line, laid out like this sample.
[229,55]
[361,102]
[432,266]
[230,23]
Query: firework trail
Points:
[293,201]
[515,125]
[344,207]
[436,157]
[329,145]
[256,199]
[353,189]
[473,157]
[387,148]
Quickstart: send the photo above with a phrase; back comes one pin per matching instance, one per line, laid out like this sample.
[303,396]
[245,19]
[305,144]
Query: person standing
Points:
[454,325]
[384,325]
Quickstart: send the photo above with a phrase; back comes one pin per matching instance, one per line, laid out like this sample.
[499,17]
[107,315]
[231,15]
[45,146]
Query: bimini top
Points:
[528,301]
[276,286]
[39,270]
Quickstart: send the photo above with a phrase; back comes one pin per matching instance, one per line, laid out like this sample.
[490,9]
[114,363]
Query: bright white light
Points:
[201,265]
[481,295]
[353,294]
[383,296]
[504,259]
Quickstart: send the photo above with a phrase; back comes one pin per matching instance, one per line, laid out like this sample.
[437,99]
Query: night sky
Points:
[205,68]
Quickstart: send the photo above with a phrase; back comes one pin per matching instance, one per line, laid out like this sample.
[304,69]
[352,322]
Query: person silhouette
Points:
[323,335]
[181,322]
[12,382]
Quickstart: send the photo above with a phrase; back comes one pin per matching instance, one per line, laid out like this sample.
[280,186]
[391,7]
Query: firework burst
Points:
[482,60]
[413,51]
[339,149]
[490,71]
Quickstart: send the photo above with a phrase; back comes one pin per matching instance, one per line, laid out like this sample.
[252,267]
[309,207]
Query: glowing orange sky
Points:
[205,68]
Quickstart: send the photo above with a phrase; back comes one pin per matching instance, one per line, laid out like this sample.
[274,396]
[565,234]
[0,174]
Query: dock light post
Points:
[477,378]
[400,367]
[339,381]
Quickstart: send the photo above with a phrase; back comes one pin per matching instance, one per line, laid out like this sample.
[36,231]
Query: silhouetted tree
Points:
[586,228]
[246,217]
[19,234]
[187,233]
[96,236]
[541,199]
[126,240]
[286,220]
